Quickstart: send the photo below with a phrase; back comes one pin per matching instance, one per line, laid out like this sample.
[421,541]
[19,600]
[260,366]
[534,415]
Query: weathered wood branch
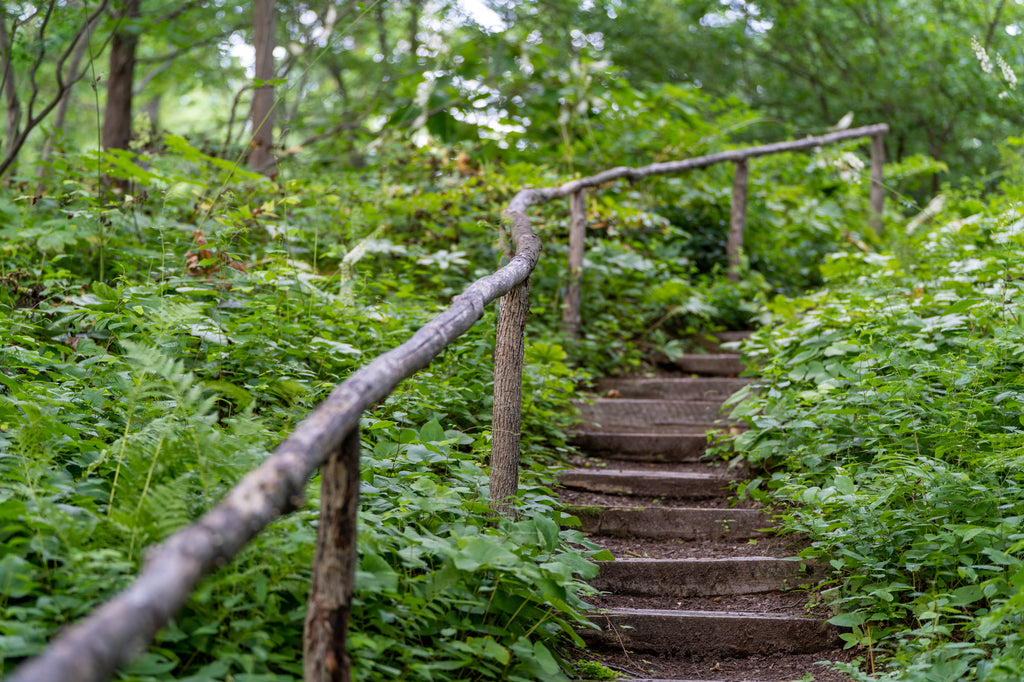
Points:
[334,568]
[571,317]
[737,219]
[529,197]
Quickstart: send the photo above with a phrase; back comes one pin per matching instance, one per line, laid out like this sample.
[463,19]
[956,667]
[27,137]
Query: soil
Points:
[580,497]
[629,548]
[609,464]
[776,668]
[788,603]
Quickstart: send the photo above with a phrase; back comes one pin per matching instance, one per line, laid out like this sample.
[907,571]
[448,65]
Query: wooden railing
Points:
[121,629]
[737,217]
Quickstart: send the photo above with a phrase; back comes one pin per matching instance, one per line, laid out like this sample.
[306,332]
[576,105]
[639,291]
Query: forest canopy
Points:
[547,80]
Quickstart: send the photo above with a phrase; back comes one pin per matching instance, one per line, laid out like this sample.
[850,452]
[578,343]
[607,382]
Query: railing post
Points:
[509,344]
[737,219]
[571,318]
[877,186]
[334,567]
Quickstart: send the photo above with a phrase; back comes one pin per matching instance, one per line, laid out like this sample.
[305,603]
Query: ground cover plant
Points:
[888,424]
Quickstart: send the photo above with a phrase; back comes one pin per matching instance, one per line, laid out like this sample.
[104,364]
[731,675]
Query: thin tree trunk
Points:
[32,117]
[571,318]
[737,220]
[508,398]
[877,182]
[13,103]
[60,114]
[334,568]
[261,157]
[152,111]
[117,120]
[415,9]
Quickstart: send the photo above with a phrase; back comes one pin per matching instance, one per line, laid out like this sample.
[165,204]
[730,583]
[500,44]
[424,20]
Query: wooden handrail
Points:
[120,630]
[739,157]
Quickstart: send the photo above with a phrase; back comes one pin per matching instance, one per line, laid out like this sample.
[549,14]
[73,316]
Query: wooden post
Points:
[571,318]
[508,398]
[334,567]
[737,219]
[877,187]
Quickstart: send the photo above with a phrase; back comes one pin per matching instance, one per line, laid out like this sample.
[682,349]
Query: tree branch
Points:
[62,87]
[990,34]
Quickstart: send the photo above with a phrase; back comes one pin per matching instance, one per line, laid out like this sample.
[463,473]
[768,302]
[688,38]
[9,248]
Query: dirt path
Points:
[699,590]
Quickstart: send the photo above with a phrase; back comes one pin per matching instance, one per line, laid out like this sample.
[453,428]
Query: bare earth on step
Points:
[699,589]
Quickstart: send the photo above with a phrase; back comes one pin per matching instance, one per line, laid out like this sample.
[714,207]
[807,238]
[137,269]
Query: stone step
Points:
[669,484]
[613,414]
[644,447]
[705,633]
[674,523]
[669,388]
[718,364]
[698,577]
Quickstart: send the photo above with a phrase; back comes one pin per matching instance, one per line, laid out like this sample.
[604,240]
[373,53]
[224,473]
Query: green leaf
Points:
[968,594]
[848,620]
[480,552]
[486,647]
[548,530]
[844,484]
[546,660]
[17,577]
[432,432]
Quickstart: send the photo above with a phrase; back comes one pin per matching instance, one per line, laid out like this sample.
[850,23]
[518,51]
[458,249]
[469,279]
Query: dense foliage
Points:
[888,420]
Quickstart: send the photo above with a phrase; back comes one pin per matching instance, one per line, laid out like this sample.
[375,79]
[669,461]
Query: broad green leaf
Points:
[432,432]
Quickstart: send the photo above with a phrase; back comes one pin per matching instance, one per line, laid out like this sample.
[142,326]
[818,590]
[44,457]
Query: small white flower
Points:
[982,55]
[1008,75]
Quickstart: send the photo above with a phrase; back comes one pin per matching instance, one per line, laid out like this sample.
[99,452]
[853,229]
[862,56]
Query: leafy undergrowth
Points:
[889,422]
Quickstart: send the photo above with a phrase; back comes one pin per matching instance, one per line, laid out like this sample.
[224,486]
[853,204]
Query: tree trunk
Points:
[60,114]
[737,220]
[507,420]
[571,318]
[415,9]
[334,568]
[261,158]
[13,103]
[117,120]
[877,182]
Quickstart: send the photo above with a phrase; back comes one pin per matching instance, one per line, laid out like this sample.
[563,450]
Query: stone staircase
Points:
[697,590]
